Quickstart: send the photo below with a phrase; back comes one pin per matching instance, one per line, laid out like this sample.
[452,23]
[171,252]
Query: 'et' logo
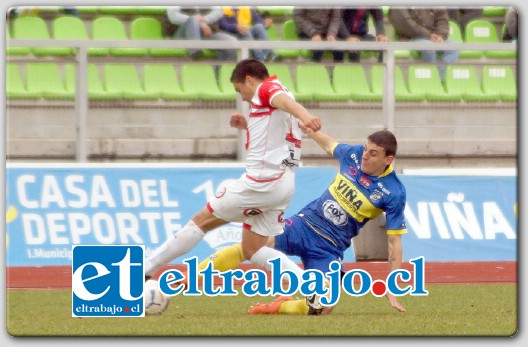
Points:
[107,281]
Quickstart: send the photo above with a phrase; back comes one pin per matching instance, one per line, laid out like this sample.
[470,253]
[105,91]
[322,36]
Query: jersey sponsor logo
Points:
[352,172]
[252,212]
[383,189]
[376,196]
[352,199]
[365,181]
[349,193]
[354,158]
[334,213]
[273,88]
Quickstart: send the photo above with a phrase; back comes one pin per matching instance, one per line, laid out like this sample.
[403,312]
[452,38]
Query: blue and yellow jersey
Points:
[354,198]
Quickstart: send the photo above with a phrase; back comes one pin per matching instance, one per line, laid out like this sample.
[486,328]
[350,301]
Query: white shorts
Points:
[260,211]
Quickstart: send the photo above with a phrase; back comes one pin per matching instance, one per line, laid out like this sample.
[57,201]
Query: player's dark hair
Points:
[385,139]
[249,67]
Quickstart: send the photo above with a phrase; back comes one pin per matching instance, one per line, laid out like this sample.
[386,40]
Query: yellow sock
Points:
[294,307]
[225,259]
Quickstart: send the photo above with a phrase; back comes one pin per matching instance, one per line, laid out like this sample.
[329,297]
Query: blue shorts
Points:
[299,239]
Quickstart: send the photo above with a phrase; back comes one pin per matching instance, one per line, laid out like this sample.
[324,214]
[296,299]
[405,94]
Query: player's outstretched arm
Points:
[395,249]
[324,140]
[287,104]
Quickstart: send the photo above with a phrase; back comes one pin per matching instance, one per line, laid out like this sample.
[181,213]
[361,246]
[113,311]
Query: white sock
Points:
[182,242]
[264,254]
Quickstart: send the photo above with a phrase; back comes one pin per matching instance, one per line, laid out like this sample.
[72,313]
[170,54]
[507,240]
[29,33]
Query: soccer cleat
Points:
[314,302]
[262,308]
[314,305]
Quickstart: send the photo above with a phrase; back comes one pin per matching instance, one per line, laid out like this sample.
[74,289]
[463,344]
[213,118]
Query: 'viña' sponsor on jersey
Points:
[346,191]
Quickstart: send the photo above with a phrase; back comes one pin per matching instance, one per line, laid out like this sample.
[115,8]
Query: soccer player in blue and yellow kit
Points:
[365,186]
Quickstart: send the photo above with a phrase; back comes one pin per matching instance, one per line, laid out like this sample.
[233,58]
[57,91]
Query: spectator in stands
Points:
[72,11]
[427,25]
[356,24]
[247,24]
[462,16]
[319,24]
[510,21]
[197,23]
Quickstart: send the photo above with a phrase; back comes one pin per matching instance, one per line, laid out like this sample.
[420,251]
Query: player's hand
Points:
[394,303]
[238,121]
[311,124]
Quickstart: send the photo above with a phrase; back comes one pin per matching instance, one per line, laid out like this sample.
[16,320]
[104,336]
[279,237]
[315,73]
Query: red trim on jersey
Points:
[261,114]
[293,140]
[266,180]
[247,138]
[210,208]
[267,89]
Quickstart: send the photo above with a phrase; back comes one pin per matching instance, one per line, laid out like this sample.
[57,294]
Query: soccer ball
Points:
[155,301]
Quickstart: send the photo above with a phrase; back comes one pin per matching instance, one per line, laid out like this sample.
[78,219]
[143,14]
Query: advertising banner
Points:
[52,207]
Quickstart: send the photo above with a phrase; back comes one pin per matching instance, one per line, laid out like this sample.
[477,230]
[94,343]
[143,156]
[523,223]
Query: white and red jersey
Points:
[273,137]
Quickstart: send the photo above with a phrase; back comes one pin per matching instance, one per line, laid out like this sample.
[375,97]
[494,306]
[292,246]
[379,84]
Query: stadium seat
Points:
[401,53]
[455,34]
[273,35]
[499,80]
[86,10]
[401,93]
[96,89]
[46,80]
[314,81]
[288,33]
[502,54]
[352,81]
[284,76]
[484,31]
[203,88]
[463,80]
[15,86]
[163,80]
[224,83]
[494,11]
[10,50]
[152,10]
[425,79]
[276,10]
[32,27]
[117,10]
[148,28]
[111,28]
[68,28]
[123,79]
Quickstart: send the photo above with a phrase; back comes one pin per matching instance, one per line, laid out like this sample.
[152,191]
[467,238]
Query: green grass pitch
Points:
[448,310]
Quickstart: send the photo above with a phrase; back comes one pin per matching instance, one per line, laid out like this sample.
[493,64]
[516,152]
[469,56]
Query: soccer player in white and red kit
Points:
[260,196]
